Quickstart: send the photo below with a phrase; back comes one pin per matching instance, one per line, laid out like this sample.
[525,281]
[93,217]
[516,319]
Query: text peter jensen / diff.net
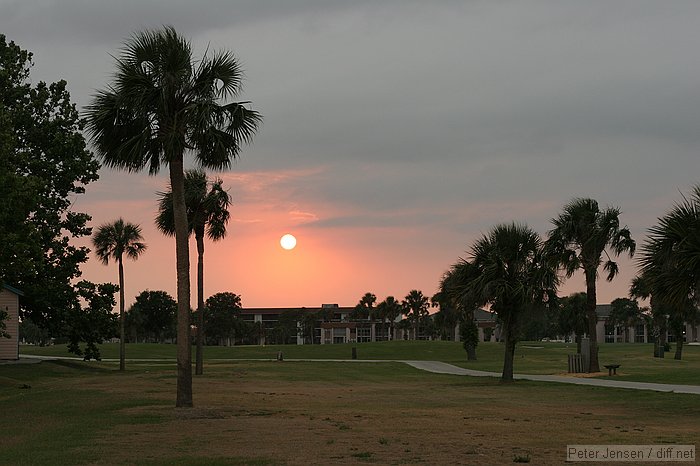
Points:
[670,453]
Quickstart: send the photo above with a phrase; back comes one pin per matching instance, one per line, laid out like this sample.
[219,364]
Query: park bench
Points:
[612,369]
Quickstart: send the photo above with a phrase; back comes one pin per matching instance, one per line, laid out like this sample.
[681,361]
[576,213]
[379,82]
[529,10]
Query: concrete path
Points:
[444,368]
[439,367]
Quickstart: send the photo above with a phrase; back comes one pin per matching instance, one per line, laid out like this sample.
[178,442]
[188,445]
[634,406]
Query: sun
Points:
[288,242]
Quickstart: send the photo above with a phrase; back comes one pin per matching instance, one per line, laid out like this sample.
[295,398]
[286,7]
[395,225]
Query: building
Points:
[641,332]
[332,324]
[9,302]
[327,324]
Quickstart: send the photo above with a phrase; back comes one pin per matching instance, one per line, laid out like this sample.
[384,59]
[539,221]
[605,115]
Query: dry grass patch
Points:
[406,417]
[295,413]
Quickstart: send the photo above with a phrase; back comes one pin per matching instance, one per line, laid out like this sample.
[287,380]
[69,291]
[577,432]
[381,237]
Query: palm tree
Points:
[207,214]
[671,262]
[513,275]
[162,104]
[365,307]
[114,241]
[415,306]
[390,308]
[582,234]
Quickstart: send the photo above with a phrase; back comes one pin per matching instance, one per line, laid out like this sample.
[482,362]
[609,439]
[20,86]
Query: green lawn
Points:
[635,359]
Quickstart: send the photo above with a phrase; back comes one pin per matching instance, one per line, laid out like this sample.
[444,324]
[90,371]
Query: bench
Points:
[612,369]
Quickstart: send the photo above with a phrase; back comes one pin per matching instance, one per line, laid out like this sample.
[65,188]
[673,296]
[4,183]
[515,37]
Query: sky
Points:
[398,132]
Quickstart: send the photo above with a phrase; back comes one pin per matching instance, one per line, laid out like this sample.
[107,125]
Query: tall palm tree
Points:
[415,306]
[670,261]
[207,215]
[391,309]
[114,241]
[513,275]
[163,103]
[364,309]
[582,234]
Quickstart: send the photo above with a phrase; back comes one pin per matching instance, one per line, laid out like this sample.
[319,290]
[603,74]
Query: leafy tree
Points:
[286,329]
[447,317]
[415,307]
[572,316]
[163,103]
[454,292]
[207,214]
[308,323]
[3,326]
[469,334]
[540,323]
[44,164]
[221,315]
[31,333]
[93,324]
[626,313]
[153,316]
[513,275]
[641,287]
[364,308]
[390,309]
[582,234]
[114,241]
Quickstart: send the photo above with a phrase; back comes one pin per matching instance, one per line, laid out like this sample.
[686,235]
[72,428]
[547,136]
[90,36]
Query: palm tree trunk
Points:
[184,349]
[122,335]
[509,356]
[591,302]
[578,343]
[471,353]
[199,365]
[663,337]
[679,347]
[678,333]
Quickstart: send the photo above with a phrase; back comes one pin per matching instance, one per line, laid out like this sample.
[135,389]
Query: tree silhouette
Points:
[165,103]
[114,241]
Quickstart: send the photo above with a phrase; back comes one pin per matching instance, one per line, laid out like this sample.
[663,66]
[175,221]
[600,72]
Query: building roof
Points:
[13,290]
[482,315]
[280,310]
[603,310]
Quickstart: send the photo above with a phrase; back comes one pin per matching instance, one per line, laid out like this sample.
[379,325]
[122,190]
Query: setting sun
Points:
[288,242]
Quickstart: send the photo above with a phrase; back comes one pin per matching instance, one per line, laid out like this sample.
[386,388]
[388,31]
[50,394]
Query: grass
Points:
[289,413]
[635,359]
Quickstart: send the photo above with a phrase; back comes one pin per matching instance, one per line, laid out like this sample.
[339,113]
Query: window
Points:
[364,334]
[639,336]
[338,335]
[609,334]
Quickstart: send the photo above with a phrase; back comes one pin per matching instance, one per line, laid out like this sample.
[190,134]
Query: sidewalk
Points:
[444,368]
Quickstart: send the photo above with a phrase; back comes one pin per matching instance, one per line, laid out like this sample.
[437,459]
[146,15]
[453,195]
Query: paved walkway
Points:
[444,368]
[439,367]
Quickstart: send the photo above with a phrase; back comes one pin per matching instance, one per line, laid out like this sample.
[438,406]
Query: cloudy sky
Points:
[398,132]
